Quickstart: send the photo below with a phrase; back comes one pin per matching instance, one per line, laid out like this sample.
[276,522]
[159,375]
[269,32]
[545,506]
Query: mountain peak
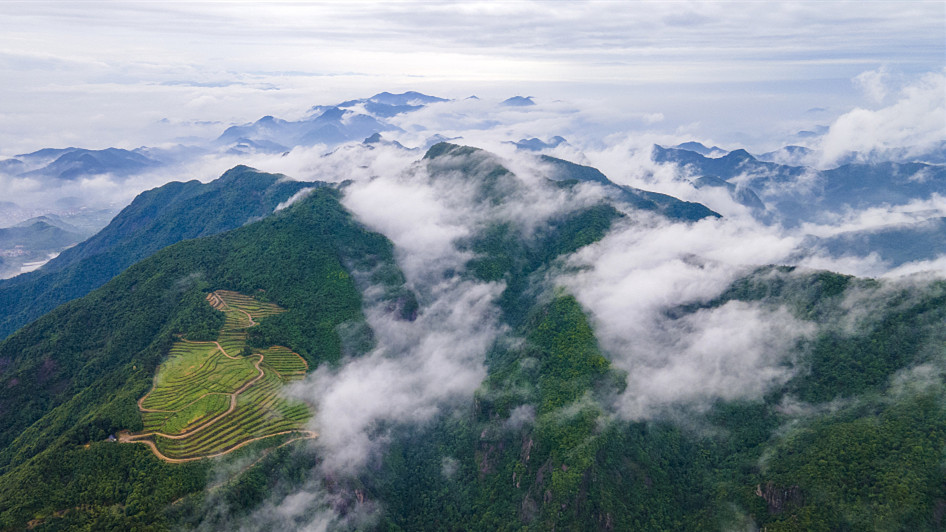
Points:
[332,113]
[518,101]
[740,154]
[445,148]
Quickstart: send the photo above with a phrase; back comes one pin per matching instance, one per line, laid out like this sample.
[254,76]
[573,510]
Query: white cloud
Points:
[916,123]
[423,367]
[874,218]
[934,267]
[630,279]
[873,83]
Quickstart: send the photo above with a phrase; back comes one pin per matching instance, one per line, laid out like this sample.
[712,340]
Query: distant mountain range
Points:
[31,243]
[795,194]
[780,186]
[72,163]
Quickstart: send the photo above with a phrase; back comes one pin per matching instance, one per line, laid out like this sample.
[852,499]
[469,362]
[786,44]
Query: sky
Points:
[125,74]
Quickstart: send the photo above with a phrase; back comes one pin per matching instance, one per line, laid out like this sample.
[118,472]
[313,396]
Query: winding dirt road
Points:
[125,437]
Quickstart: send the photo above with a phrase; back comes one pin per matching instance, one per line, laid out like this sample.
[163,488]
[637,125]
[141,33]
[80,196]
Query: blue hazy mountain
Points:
[333,125]
[325,128]
[895,244]
[733,164]
[742,195]
[11,166]
[386,105]
[798,193]
[700,148]
[535,144]
[378,140]
[518,101]
[790,155]
[71,163]
[57,221]
[244,146]
[32,242]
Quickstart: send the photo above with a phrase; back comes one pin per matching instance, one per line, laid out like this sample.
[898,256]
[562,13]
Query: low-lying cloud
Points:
[633,279]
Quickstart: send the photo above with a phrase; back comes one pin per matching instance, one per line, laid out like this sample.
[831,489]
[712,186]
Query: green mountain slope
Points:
[74,376]
[541,453]
[155,219]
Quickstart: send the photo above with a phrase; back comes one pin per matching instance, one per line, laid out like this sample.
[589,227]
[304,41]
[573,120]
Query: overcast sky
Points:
[98,74]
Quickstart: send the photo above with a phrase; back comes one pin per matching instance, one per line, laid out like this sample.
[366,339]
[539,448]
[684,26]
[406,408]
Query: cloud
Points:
[934,267]
[695,62]
[310,508]
[736,351]
[631,279]
[915,124]
[876,218]
[873,83]
[419,370]
[427,366]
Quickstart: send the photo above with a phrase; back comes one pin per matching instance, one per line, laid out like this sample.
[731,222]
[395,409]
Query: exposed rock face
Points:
[778,498]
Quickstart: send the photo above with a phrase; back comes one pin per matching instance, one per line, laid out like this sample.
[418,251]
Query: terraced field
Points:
[208,399]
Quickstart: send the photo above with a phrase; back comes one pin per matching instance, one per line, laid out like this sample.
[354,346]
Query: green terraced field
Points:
[284,362]
[208,399]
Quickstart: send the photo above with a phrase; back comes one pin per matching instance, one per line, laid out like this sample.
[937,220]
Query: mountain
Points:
[245,146]
[741,195]
[535,144]
[894,244]
[71,163]
[518,101]
[386,105]
[848,433]
[55,221]
[41,233]
[582,470]
[405,98]
[333,126]
[378,140]
[352,120]
[790,155]
[669,206]
[733,164]
[74,375]
[798,194]
[32,242]
[701,149]
[155,219]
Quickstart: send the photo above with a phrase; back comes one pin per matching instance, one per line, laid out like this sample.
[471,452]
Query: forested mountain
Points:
[155,219]
[831,414]
[72,378]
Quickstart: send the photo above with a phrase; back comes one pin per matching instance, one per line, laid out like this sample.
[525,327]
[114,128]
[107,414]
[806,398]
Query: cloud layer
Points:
[97,75]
